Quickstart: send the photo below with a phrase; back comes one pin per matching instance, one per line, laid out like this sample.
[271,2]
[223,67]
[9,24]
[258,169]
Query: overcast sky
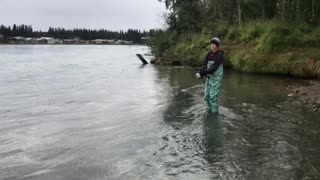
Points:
[95,14]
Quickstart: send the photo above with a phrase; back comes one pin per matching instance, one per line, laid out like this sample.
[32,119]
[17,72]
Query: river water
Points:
[95,113]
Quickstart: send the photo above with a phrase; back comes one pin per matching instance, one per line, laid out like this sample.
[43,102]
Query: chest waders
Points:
[212,89]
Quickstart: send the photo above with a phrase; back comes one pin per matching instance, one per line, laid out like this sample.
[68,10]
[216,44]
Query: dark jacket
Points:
[217,57]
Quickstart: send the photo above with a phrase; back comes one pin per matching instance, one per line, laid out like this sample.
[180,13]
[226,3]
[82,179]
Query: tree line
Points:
[84,34]
[192,15]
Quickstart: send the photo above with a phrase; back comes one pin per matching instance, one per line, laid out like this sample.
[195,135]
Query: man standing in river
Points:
[213,70]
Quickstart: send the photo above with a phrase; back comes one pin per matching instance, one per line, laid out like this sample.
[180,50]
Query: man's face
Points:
[213,47]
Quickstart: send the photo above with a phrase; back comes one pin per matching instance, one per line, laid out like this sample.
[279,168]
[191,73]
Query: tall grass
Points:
[258,47]
[296,63]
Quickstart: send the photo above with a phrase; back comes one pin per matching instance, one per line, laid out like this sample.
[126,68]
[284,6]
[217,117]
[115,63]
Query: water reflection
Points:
[213,138]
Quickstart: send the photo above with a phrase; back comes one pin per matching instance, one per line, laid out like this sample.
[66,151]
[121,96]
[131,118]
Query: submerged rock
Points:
[173,172]
[147,164]
[163,147]
[308,93]
[316,106]
[165,138]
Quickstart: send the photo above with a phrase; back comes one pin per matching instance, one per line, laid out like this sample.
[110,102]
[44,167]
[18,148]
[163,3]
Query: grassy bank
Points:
[257,47]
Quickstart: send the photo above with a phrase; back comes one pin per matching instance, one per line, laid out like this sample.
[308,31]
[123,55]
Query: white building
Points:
[122,42]
[103,41]
[30,40]
[46,40]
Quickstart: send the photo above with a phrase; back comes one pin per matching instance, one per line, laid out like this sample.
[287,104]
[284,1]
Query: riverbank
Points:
[297,62]
[303,62]
[259,47]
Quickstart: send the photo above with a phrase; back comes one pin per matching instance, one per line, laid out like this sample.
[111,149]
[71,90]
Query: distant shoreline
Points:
[73,41]
[9,44]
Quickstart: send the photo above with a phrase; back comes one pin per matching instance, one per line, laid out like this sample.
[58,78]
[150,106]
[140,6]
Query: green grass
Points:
[295,63]
[267,47]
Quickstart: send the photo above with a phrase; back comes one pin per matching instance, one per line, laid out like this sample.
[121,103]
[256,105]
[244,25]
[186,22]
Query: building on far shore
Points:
[75,40]
[144,39]
[69,41]
[46,40]
[102,41]
[122,42]
[17,40]
[31,40]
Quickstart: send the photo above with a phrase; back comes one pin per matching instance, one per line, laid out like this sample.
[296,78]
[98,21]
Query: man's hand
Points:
[198,76]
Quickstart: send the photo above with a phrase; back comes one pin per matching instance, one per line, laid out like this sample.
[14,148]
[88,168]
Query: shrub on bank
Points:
[258,47]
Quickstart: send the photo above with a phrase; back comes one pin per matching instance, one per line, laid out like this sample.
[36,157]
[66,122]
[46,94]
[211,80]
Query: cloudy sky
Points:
[95,14]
